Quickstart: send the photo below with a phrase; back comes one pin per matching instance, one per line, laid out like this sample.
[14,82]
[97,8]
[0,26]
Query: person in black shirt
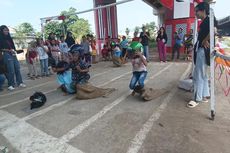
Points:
[201,57]
[69,39]
[10,59]
[144,38]
[161,44]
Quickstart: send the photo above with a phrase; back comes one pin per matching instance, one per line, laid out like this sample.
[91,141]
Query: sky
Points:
[131,14]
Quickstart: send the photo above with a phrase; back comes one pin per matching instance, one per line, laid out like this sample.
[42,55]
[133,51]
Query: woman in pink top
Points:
[55,51]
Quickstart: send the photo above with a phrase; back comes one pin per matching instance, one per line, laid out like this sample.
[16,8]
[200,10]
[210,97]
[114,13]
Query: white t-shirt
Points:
[138,65]
[63,47]
[42,53]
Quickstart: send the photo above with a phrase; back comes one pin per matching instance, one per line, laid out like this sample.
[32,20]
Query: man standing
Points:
[144,39]
[178,43]
[201,57]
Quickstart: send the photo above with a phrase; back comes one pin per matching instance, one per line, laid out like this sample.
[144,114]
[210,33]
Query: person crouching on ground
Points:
[116,58]
[105,53]
[64,75]
[139,64]
[80,70]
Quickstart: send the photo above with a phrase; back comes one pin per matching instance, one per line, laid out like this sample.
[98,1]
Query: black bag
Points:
[38,99]
[19,51]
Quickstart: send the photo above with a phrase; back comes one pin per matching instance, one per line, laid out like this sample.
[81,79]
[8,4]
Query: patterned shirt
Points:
[138,65]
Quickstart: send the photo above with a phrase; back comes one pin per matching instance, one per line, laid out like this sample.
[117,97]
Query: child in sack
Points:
[80,70]
[139,64]
[64,75]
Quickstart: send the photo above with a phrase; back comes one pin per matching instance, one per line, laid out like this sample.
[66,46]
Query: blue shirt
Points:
[124,43]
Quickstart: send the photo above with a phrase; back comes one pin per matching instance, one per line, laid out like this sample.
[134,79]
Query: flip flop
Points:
[192,104]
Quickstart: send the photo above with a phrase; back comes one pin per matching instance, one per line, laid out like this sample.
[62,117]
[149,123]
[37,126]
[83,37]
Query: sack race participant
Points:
[116,55]
[139,64]
[64,77]
[80,78]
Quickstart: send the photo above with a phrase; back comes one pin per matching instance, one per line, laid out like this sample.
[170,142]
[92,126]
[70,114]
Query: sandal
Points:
[192,104]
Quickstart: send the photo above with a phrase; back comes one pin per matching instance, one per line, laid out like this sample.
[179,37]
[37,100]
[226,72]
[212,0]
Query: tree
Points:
[26,29]
[38,34]
[55,27]
[22,32]
[70,19]
[80,27]
[77,26]
[152,29]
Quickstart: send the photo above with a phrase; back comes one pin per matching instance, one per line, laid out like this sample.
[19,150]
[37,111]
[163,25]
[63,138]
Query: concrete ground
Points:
[118,123]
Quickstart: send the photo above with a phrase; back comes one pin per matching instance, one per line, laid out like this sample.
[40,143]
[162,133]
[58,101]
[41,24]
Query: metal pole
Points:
[95,8]
[89,10]
[212,62]
[194,41]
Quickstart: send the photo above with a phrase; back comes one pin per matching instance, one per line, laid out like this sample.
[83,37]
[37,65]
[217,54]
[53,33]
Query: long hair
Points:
[203,6]
[5,38]
[163,29]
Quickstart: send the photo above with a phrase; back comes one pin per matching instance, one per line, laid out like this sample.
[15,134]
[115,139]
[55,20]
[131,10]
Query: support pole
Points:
[212,63]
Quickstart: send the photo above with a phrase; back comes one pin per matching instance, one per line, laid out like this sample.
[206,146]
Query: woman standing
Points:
[10,59]
[161,41]
[69,39]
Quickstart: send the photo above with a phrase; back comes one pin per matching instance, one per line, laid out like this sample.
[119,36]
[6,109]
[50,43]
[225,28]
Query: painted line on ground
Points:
[25,89]
[152,77]
[28,139]
[138,140]
[118,77]
[22,100]
[47,109]
[77,130]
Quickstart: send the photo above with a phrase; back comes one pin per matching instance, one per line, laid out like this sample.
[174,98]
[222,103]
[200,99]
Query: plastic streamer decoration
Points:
[222,68]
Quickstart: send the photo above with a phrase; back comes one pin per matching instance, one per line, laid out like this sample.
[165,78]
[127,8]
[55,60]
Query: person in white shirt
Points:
[43,57]
[139,64]
[63,46]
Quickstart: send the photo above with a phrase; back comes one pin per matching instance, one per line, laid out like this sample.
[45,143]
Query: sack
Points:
[88,91]
[38,99]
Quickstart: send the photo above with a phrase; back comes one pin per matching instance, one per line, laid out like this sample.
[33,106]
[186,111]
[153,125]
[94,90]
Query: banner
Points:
[181,9]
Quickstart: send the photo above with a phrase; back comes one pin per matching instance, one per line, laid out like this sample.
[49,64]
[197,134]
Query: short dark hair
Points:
[203,6]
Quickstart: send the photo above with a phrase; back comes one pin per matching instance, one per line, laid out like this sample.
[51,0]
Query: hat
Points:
[136,46]
[76,48]
[113,43]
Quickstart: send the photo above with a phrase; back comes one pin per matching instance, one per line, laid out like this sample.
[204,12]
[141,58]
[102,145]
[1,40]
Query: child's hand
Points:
[138,53]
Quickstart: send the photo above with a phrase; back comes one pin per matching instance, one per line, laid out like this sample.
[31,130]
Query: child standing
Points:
[32,58]
[63,46]
[139,64]
[42,51]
